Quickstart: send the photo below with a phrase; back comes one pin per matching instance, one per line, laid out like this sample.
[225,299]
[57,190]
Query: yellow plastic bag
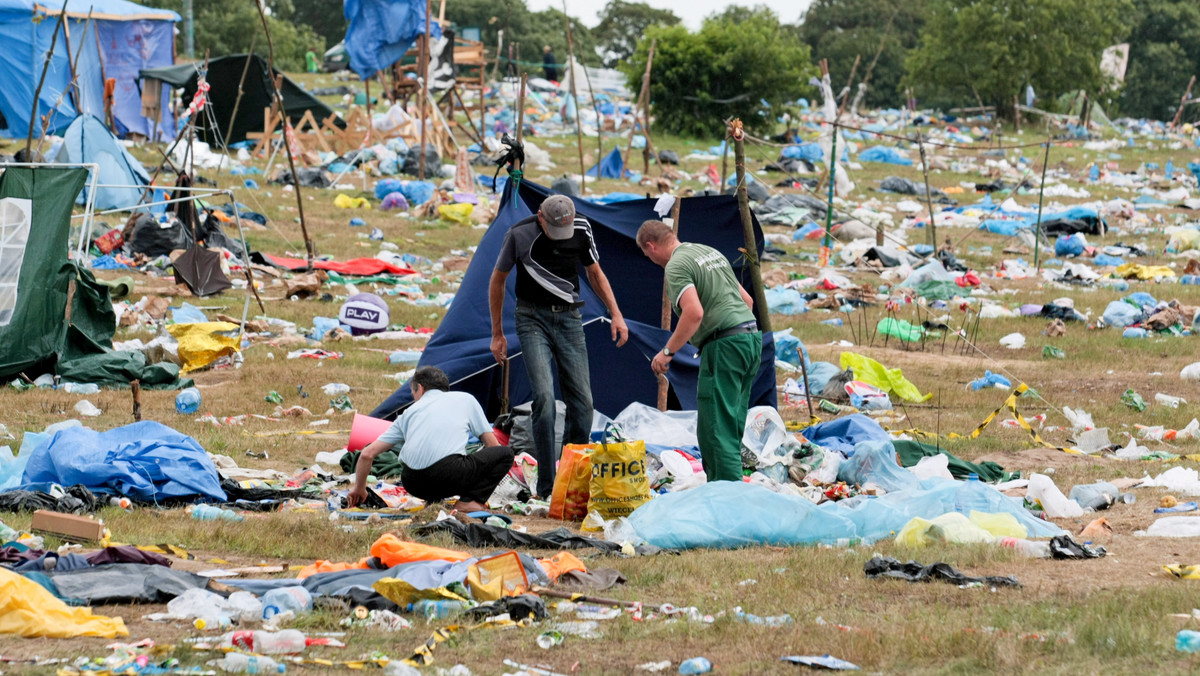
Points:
[403,593]
[1135,270]
[28,609]
[619,484]
[872,372]
[457,213]
[348,202]
[493,578]
[569,501]
[202,343]
[951,527]
[1000,524]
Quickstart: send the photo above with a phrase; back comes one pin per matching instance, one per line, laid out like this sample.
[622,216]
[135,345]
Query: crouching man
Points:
[432,437]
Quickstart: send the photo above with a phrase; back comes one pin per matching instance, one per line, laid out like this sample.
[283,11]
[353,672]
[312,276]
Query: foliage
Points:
[622,23]
[530,30]
[1164,50]
[988,50]
[230,26]
[736,62]
[840,30]
[326,19]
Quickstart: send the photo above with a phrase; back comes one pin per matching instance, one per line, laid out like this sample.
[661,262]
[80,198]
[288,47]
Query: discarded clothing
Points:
[886,566]
[596,579]
[386,464]
[127,554]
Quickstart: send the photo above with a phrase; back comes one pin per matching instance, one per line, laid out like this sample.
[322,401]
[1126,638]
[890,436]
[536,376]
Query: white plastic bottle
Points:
[296,599]
[286,642]
[237,663]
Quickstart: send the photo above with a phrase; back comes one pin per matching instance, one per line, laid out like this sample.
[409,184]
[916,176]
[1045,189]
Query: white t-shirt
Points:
[437,426]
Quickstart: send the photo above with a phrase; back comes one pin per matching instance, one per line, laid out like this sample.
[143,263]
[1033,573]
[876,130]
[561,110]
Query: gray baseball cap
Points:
[558,215]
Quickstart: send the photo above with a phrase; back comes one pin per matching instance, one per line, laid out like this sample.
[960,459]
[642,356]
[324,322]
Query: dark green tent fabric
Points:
[43,334]
[911,452]
[224,74]
[387,464]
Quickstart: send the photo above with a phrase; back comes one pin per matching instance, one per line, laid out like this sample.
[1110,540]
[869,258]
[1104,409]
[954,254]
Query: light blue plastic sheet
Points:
[845,433]
[145,461]
[782,301]
[728,515]
[883,154]
[1121,314]
[875,462]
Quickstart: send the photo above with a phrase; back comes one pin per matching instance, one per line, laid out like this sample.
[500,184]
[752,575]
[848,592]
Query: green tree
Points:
[549,27]
[326,19]
[1164,52]
[841,30]
[988,50]
[622,23]
[742,63]
[230,26]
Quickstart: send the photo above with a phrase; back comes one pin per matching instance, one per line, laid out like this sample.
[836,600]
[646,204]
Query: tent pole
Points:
[641,96]
[751,250]
[575,98]
[74,85]
[37,93]
[309,247]
[1183,102]
[665,321]
[928,199]
[238,101]
[1037,233]
[425,92]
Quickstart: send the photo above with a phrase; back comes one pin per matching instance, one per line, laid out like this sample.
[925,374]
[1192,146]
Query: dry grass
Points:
[1070,617]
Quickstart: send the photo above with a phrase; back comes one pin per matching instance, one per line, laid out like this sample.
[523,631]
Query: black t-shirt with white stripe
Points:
[547,269]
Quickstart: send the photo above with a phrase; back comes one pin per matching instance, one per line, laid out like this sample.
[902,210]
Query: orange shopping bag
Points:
[569,501]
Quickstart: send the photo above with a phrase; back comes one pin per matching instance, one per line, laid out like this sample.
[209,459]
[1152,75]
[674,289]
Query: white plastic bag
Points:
[1013,341]
[1054,503]
[931,466]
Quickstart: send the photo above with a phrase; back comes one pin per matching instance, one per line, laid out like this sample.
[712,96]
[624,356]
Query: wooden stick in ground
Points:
[751,249]
[849,84]
[74,84]
[136,388]
[724,165]
[520,116]
[643,96]
[575,98]
[1183,102]
[1017,112]
[238,100]
[309,247]
[1037,232]
[599,123]
[665,320]
[928,198]
[584,598]
[37,93]
[424,65]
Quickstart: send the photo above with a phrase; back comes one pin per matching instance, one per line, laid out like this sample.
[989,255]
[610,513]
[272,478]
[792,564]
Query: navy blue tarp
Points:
[381,31]
[461,346]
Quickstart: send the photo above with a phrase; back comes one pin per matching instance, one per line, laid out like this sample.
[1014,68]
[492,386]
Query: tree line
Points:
[751,63]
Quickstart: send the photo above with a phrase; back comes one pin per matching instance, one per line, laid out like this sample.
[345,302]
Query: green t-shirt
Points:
[706,269]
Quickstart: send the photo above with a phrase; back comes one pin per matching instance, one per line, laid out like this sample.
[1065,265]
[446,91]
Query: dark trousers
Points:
[471,477]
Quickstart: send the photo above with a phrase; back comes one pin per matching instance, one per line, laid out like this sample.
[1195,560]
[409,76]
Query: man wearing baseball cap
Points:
[547,250]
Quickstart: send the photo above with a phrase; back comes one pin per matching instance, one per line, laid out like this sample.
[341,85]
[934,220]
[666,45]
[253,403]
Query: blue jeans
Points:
[545,334]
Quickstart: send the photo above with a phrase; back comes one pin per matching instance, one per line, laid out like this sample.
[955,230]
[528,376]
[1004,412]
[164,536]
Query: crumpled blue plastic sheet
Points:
[728,515]
[875,461]
[145,461]
[845,433]
[783,301]
[1121,314]
[884,154]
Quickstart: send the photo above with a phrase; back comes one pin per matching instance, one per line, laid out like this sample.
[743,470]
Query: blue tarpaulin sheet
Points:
[381,31]
[145,461]
[87,140]
[883,154]
[843,434]
[612,166]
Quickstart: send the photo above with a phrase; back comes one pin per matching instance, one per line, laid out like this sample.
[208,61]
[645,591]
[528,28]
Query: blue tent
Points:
[461,346]
[381,31]
[124,37]
[88,141]
[612,166]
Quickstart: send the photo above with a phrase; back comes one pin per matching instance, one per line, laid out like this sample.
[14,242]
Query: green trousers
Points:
[728,367]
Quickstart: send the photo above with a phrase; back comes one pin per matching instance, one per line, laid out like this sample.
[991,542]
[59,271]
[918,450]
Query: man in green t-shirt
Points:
[716,315]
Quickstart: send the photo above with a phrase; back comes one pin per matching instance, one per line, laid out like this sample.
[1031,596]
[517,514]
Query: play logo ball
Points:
[364,313]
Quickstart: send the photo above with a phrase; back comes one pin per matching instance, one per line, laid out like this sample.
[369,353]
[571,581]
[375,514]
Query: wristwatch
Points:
[667,351]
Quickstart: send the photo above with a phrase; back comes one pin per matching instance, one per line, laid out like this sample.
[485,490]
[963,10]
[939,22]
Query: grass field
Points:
[1106,615]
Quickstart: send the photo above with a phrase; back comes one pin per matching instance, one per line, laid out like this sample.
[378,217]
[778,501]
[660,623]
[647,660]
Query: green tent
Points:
[54,316]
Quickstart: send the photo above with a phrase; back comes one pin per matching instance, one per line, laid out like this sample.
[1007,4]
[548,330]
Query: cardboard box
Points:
[67,527]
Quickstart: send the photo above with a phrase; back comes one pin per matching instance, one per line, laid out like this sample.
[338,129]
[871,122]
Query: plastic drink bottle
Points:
[296,599]
[696,665]
[437,610]
[283,642]
[237,663]
[188,401]
[211,513]
[1032,549]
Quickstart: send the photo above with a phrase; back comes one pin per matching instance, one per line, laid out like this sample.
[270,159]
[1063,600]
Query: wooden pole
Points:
[238,99]
[1017,112]
[72,86]
[424,92]
[575,98]
[665,320]
[520,118]
[849,83]
[37,93]
[1037,233]
[499,48]
[724,166]
[645,94]
[136,388]
[599,123]
[309,248]
[1183,102]
[928,198]
[751,249]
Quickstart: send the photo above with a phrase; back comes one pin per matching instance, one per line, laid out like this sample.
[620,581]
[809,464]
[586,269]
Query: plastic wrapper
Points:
[875,462]
[27,609]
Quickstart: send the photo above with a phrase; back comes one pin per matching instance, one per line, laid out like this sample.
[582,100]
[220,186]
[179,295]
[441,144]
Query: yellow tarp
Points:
[202,343]
[28,609]
[955,528]
[1134,270]
[402,593]
[872,372]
